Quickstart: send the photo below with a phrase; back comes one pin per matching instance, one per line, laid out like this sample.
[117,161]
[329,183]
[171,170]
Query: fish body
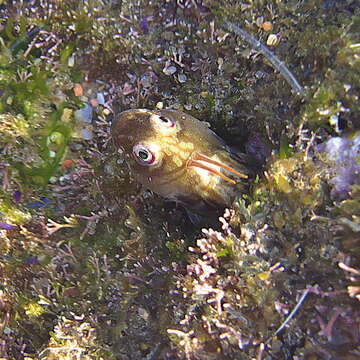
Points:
[180,158]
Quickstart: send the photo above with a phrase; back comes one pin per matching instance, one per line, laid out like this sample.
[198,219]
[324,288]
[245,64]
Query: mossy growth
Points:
[30,117]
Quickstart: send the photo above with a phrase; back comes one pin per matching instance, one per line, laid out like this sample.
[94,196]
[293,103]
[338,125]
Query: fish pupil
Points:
[143,154]
[164,119]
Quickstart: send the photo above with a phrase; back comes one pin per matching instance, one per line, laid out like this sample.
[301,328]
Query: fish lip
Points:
[201,161]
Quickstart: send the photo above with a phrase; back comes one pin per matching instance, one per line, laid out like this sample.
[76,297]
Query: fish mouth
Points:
[201,161]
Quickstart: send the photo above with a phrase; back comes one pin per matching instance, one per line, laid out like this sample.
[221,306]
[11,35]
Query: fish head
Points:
[174,154]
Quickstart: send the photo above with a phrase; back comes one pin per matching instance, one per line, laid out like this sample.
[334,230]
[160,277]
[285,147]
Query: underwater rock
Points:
[84,114]
[257,148]
[344,153]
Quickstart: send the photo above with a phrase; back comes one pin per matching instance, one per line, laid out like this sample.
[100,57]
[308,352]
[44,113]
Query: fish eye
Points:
[163,120]
[166,121]
[143,155]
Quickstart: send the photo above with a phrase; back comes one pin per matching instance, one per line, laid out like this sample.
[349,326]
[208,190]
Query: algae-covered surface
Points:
[95,267]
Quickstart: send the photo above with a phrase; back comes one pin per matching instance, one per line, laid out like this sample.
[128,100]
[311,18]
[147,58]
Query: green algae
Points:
[26,107]
[108,271]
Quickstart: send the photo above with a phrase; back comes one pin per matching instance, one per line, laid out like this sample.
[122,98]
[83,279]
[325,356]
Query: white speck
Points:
[347,87]
[334,122]
[160,105]
[71,61]
[324,112]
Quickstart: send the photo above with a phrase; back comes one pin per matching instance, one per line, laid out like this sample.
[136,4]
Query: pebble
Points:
[86,133]
[146,80]
[170,70]
[78,90]
[108,169]
[84,114]
[182,78]
[160,105]
[66,115]
[167,35]
[100,98]
[267,26]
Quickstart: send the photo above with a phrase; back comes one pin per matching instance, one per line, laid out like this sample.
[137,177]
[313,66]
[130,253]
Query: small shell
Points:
[272,40]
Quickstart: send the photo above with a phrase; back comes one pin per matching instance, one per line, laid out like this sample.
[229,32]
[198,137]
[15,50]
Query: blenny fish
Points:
[178,157]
